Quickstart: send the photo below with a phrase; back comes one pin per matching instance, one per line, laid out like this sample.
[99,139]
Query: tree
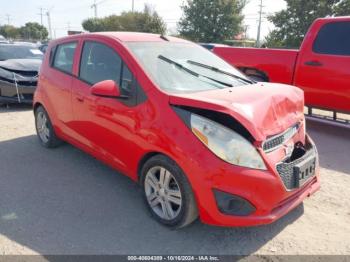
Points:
[342,8]
[34,31]
[147,21]
[293,22]
[9,31]
[211,20]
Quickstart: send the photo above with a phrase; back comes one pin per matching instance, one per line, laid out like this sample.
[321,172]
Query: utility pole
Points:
[41,15]
[49,24]
[95,5]
[95,8]
[8,19]
[133,6]
[259,26]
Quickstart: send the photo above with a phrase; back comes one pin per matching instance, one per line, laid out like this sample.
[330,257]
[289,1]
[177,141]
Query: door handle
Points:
[80,98]
[313,63]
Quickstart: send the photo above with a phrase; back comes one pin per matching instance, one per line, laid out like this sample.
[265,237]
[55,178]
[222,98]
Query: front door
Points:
[324,68]
[106,125]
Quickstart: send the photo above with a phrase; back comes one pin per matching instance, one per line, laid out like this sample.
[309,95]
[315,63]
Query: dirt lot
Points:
[63,201]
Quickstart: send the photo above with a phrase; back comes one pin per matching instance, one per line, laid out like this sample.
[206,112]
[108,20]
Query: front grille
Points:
[286,169]
[274,142]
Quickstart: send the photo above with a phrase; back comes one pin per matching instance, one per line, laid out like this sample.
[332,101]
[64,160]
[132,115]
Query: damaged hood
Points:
[23,65]
[21,71]
[264,109]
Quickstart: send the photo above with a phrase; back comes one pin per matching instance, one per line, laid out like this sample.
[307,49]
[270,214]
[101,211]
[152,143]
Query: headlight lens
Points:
[226,144]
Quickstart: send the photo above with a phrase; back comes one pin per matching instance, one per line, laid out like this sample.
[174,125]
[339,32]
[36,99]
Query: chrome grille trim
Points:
[276,141]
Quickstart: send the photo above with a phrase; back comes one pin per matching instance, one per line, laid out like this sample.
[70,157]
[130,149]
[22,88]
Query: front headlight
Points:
[226,144]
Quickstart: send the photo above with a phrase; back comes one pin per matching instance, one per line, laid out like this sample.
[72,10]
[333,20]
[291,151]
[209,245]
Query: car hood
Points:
[264,109]
[21,64]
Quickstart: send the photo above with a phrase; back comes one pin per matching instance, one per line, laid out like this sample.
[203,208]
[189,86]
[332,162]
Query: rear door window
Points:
[64,57]
[333,39]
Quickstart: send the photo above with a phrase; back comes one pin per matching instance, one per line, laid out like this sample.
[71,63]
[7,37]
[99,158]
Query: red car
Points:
[200,137]
[320,67]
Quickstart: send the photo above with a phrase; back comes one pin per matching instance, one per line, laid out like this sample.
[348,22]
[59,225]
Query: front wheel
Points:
[167,192]
[44,129]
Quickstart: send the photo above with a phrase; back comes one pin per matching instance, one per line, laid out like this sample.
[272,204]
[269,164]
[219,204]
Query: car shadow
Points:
[6,108]
[333,143]
[63,201]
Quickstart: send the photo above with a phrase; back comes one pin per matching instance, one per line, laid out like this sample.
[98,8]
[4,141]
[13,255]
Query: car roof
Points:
[129,37]
[335,19]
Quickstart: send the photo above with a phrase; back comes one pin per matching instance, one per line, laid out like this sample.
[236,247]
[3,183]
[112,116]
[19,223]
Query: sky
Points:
[68,14]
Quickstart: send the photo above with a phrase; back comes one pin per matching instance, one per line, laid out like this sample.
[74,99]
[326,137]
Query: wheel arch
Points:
[36,105]
[251,71]
[144,159]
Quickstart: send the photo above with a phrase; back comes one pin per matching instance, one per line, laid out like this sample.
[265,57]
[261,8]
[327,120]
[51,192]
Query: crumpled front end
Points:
[17,86]
[271,118]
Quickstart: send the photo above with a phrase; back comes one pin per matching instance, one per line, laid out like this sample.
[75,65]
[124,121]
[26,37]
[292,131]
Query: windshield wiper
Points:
[180,66]
[215,69]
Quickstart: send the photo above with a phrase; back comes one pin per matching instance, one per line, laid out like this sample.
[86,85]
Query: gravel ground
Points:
[63,201]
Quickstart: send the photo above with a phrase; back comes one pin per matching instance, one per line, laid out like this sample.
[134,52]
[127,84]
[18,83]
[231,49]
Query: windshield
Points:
[19,52]
[171,66]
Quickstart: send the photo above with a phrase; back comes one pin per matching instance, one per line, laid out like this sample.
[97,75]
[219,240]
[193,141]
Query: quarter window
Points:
[126,81]
[333,39]
[64,57]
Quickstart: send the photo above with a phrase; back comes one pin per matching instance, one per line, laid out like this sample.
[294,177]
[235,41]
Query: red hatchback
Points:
[200,137]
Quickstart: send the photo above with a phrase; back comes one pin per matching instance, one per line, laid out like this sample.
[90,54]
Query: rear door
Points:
[58,82]
[323,70]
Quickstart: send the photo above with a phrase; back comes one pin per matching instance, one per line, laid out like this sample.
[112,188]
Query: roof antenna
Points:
[164,38]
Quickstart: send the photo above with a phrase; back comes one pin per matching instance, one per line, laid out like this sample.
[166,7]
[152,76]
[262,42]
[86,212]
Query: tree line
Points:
[30,31]
[219,20]
[207,21]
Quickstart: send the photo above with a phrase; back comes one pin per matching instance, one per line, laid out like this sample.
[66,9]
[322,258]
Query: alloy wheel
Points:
[163,193]
[42,127]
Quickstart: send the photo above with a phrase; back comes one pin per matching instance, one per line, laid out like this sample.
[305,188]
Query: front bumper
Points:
[265,190]
[22,94]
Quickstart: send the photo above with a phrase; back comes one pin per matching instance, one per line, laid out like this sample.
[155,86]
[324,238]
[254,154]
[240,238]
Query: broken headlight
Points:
[225,143]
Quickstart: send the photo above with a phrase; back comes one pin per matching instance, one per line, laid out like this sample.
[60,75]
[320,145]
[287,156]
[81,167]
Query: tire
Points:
[174,187]
[44,129]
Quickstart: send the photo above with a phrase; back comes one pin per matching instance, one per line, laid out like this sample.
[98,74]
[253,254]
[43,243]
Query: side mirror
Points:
[106,88]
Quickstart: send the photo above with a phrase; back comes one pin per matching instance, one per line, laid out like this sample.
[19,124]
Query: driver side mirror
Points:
[106,88]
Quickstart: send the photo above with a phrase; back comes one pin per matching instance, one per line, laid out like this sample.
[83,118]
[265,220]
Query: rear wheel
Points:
[44,129]
[167,192]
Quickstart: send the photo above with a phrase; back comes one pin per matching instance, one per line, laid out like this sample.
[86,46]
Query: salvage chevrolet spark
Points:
[201,138]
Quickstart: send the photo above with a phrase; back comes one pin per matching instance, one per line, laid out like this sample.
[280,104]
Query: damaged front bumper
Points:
[17,92]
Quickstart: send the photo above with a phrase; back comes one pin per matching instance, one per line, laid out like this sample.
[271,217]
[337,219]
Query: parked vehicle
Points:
[19,67]
[3,40]
[43,47]
[320,67]
[199,136]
